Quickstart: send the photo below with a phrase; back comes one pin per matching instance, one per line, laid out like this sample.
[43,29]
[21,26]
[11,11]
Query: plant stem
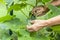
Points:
[36,2]
[11,12]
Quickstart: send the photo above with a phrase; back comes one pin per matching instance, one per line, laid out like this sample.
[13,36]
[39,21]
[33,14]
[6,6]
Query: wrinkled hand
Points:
[36,25]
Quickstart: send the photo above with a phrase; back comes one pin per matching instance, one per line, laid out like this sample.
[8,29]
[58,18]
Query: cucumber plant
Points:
[19,14]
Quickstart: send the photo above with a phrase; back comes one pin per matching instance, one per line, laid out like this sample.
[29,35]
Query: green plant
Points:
[16,14]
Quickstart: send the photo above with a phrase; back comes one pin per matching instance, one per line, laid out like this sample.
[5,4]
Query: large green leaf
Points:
[17,7]
[3,10]
[56,28]
[5,18]
[2,1]
[54,9]
[46,1]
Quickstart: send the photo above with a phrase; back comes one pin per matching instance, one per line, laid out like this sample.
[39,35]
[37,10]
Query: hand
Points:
[37,24]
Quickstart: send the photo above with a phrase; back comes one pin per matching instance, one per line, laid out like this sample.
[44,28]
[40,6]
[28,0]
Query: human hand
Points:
[36,25]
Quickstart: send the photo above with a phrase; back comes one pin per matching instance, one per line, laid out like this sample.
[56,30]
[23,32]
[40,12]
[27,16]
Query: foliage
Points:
[2,1]
[13,27]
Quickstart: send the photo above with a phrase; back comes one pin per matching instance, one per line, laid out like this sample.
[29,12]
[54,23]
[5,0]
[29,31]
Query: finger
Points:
[31,30]
[29,27]
[32,22]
